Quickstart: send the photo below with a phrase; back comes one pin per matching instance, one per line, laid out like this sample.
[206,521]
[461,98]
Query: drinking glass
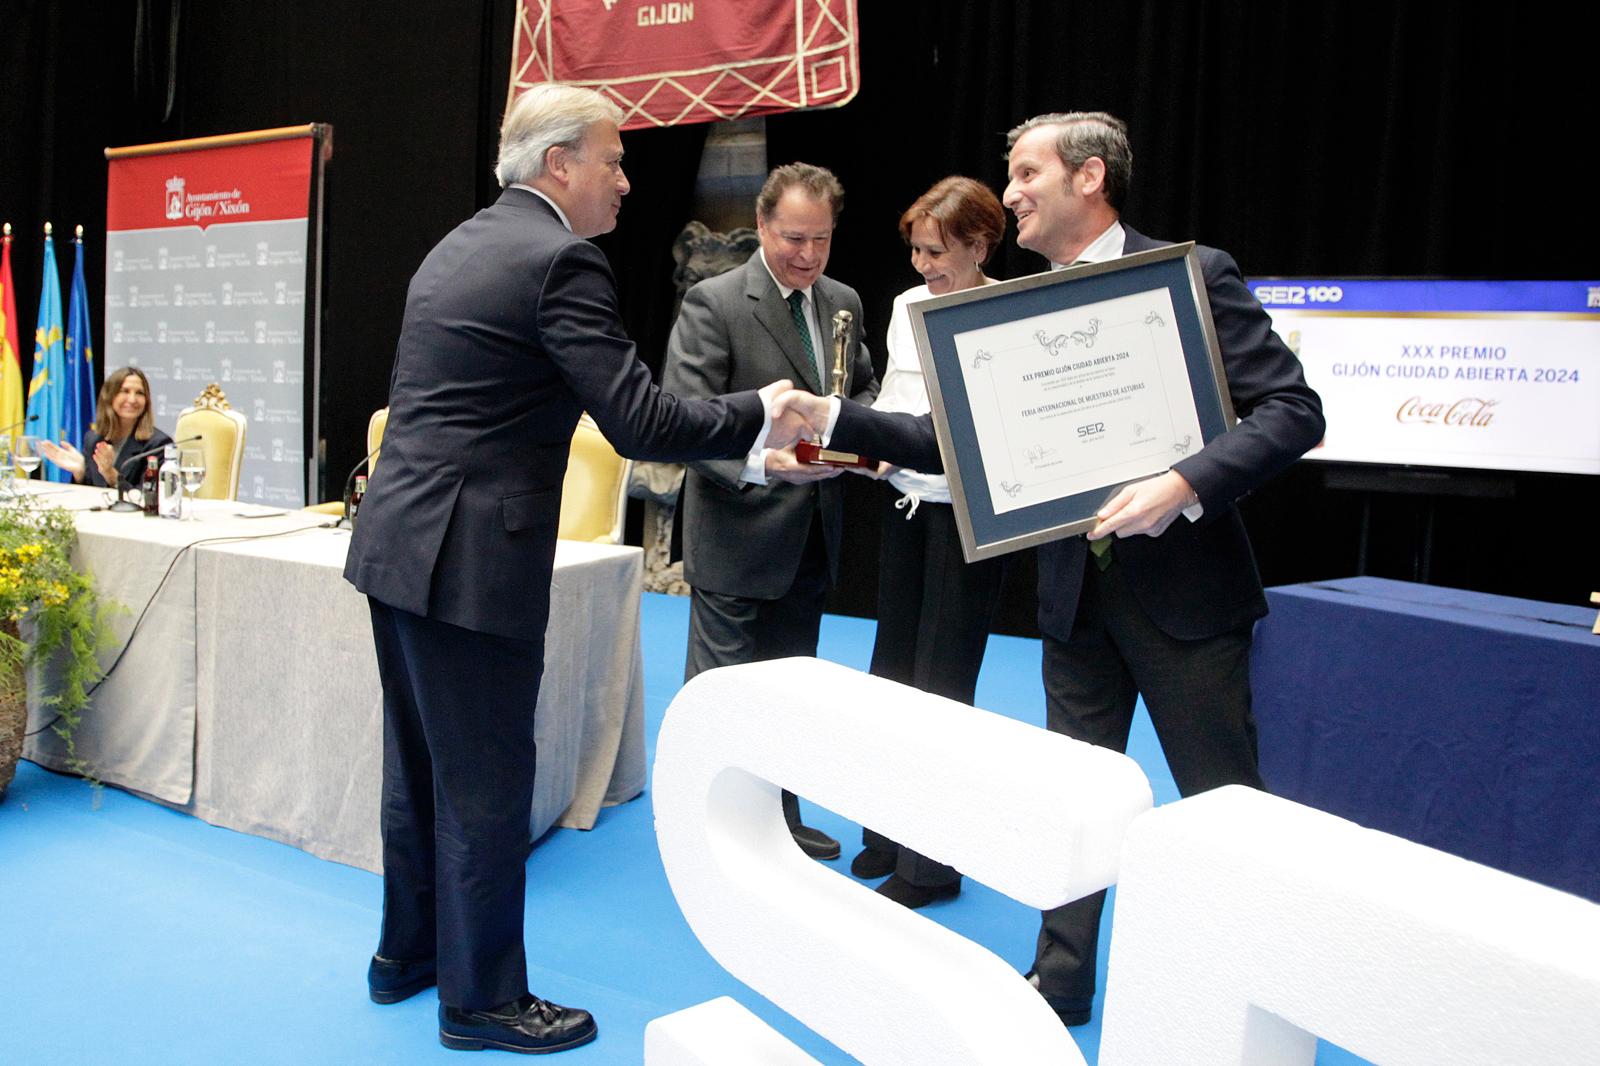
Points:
[8,489]
[25,454]
[192,468]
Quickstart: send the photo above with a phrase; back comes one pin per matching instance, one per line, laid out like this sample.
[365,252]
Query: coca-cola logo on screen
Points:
[1469,411]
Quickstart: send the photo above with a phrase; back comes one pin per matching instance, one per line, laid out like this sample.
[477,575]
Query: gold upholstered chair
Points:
[594,495]
[222,431]
[375,427]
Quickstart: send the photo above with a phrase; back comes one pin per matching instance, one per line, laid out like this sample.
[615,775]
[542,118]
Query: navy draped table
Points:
[1463,721]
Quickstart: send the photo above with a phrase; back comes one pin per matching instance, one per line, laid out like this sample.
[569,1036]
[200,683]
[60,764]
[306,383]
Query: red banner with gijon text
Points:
[690,61]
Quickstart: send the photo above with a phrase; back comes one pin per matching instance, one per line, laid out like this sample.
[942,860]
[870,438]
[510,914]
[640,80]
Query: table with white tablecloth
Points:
[249,693]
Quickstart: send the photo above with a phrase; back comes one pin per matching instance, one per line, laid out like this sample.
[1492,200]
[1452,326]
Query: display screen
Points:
[1480,375]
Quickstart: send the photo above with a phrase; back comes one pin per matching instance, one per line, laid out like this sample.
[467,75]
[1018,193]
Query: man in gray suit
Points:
[762,536]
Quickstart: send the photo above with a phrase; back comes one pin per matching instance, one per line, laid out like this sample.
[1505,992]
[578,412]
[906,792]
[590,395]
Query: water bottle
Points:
[152,478]
[170,493]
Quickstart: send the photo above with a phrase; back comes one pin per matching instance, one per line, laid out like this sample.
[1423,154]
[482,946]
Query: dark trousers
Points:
[934,611]
[458,768]
[1198,696]
[729,630]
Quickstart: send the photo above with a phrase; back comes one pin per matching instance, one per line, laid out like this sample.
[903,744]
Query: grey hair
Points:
[1081,134]
[547,116]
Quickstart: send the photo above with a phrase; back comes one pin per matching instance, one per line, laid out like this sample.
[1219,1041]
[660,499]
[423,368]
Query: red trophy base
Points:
[816,455]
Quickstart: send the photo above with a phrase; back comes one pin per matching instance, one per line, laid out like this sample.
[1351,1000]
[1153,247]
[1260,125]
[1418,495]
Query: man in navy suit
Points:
[511,331]
[1162,597]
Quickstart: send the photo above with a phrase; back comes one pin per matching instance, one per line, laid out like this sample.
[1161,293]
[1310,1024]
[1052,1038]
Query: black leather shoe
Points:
[529,1025]
[873,863]
[390,980]
[1072,1010]
[907,894]
[814,842]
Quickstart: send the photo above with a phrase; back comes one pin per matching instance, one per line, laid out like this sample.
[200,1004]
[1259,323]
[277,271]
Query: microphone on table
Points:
[350,487]
[19,423]
[123,504]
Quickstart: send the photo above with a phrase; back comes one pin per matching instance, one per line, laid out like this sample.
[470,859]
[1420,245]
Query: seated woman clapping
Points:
[123,427]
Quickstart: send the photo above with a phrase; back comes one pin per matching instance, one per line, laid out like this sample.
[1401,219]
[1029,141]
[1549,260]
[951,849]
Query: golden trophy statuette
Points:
[815,454]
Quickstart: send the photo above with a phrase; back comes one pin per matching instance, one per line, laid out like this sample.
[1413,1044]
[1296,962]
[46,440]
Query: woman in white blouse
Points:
[934,609]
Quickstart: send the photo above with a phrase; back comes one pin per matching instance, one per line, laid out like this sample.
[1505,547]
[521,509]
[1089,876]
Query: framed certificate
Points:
[1051,392]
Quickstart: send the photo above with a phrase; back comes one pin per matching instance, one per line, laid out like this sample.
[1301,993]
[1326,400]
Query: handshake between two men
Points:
[798,415]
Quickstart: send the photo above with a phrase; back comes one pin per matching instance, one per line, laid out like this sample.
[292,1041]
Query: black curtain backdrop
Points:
[1420,139]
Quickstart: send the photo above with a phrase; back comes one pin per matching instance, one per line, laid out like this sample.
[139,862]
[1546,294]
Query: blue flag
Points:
[47,390]
[78,414]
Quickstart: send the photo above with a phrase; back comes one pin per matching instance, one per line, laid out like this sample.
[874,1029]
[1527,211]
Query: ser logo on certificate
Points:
[1071,400]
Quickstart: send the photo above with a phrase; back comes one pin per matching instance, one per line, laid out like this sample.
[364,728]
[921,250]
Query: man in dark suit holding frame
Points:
[1162,596]
[511,331]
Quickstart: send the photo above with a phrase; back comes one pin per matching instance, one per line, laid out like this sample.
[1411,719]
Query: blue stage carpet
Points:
[131,934]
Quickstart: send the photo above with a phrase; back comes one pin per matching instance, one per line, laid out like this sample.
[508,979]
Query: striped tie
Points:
[797,311]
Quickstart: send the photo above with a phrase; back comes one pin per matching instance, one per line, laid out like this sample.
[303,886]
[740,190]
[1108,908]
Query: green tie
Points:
[797,311]
[1102,552]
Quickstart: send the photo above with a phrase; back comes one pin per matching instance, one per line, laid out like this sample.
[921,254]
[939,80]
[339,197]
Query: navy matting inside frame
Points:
[943,324]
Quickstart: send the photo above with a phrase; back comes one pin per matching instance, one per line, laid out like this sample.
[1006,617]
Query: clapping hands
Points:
[74,462]
[63,455]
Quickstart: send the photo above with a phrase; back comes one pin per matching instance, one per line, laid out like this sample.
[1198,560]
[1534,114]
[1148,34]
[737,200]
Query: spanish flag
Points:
[10,355]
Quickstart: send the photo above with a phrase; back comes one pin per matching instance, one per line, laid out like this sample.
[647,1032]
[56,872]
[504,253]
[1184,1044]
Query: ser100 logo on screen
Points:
[1270,295]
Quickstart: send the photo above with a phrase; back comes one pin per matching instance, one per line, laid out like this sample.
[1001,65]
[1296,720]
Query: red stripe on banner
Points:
[264,182]
[591,43]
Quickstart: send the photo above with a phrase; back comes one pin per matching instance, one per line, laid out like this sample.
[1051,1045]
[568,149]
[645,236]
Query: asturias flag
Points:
[78,413]
[47,392]
[10,354]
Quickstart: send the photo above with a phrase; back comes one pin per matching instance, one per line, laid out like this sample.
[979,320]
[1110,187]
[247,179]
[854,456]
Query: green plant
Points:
[49,614]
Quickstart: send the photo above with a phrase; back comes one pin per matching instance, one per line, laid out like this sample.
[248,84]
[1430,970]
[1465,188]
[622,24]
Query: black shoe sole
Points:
[397,995]
[478,1043]
[403,992]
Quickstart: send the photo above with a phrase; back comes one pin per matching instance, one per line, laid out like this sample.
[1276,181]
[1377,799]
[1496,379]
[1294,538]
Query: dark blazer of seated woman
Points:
[126,448]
